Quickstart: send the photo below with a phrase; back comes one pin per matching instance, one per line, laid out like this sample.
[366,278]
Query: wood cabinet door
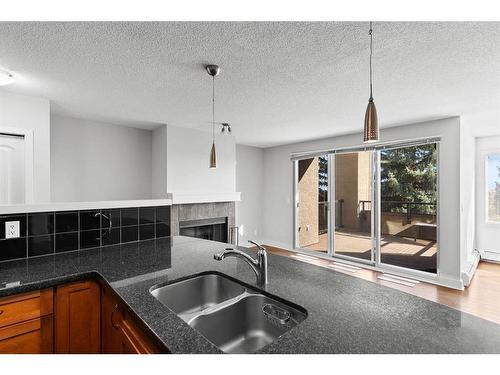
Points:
[78,318]
[110,317]
[120,333]
[134,341]
[29,337]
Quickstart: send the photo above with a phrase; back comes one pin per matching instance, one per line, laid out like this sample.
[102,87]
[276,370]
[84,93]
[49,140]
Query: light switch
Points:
[12,229]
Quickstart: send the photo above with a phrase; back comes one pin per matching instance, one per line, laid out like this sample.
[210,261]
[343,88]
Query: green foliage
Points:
[323,177]
[409,174]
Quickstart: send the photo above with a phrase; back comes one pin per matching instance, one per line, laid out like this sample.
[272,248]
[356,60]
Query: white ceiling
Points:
[279,82]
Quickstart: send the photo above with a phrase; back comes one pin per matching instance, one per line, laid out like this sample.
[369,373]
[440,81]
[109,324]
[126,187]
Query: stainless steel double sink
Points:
[232,315]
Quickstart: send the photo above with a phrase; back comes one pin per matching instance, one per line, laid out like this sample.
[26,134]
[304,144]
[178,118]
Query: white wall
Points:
[188,171]
[93,161]
[250,182]
[278,199]
[25,112]
[487,233]
[159,167]
[467,201]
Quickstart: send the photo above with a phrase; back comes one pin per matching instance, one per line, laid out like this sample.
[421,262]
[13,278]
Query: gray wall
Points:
[159,167]
[250,182]
[31,113]
[93,161]
[278,191]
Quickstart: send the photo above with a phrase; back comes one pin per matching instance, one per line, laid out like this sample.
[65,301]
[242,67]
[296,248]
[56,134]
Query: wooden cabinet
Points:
[78,318]
[120,331]
[26,323]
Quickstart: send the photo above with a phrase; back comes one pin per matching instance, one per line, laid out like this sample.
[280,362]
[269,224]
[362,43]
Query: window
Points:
[493,187]
[384,204]
[312,203]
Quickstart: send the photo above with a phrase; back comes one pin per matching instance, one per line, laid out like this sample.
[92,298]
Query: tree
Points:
[323,177]
[409,174]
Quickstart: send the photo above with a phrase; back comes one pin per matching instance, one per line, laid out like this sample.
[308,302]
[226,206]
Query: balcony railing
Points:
[409,209]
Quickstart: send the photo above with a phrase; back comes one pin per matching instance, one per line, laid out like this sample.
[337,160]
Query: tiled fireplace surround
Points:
[197,211]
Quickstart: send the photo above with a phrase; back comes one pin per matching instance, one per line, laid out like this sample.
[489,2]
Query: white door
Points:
[12,169]
[488,197]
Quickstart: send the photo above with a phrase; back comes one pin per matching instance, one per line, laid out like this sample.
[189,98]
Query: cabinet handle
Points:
[115,326]
[1,312]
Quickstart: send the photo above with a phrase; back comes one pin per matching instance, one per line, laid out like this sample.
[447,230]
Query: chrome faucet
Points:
[259,265]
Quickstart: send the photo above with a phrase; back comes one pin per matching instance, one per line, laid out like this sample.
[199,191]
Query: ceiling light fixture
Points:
[6,78]
[213,70]
[371,133]
[226,128]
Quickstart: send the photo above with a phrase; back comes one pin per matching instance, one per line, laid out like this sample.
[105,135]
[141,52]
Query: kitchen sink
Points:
[234,316]
[190,296]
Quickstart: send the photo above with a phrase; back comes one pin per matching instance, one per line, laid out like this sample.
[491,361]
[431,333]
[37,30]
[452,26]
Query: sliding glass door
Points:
[312,204]
[353,184]
[408,207]
[383,209]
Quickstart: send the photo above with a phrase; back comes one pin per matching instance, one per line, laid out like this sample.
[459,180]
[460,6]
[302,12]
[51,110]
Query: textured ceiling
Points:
[279,82]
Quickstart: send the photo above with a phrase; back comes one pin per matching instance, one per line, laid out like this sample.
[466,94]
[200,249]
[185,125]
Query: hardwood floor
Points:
[480,298]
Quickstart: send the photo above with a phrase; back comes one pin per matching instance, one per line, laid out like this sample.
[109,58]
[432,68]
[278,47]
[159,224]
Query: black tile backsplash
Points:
[90,219]
[66,222]
[40,245]
[146,232]
[110,236]
[90,238]
[40,223]
[162,230]
[146,215]
[22,224]
[13,248]
[49,232]
[111,218]
[130,234]
[130,216]
[66,242]
[163,214]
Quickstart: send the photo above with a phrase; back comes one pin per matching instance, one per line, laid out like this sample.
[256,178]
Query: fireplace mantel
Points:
[189,198]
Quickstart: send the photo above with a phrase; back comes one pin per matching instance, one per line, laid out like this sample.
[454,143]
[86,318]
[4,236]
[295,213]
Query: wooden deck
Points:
[395,250]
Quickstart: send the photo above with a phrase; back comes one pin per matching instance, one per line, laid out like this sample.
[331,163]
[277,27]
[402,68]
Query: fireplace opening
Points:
[214,229]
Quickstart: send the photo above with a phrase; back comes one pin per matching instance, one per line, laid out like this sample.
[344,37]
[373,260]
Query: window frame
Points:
[486,191]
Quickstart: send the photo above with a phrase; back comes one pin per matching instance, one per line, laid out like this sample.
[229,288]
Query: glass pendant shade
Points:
[213,157]
[371,123]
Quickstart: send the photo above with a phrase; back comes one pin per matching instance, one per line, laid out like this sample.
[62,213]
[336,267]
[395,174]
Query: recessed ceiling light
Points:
[6,78]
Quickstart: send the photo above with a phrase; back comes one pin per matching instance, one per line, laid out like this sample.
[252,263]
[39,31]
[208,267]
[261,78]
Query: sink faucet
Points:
[259,265]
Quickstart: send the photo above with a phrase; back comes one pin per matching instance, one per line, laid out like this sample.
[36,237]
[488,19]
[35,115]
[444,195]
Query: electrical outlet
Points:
[12,229]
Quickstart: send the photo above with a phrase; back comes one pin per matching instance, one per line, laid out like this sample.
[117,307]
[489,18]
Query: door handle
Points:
[115,326]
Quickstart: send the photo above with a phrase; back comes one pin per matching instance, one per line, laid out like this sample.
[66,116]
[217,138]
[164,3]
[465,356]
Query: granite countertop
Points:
[345,314]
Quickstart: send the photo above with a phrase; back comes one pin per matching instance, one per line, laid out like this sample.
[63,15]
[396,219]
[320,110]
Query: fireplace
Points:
[215,229]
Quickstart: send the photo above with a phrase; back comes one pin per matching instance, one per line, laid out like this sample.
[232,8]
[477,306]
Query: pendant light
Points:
[371,133]
[213,70]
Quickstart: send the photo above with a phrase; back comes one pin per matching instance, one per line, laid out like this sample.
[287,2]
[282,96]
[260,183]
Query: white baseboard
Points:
[277,244]
[470,269]
[490,255]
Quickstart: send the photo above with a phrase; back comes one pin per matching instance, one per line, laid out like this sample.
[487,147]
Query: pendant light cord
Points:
[371,53]
[213,109]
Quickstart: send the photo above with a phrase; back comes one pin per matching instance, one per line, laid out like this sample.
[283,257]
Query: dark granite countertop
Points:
[345,314]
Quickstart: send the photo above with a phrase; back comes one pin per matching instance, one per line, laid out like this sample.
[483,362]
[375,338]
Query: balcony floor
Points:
[398,251]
